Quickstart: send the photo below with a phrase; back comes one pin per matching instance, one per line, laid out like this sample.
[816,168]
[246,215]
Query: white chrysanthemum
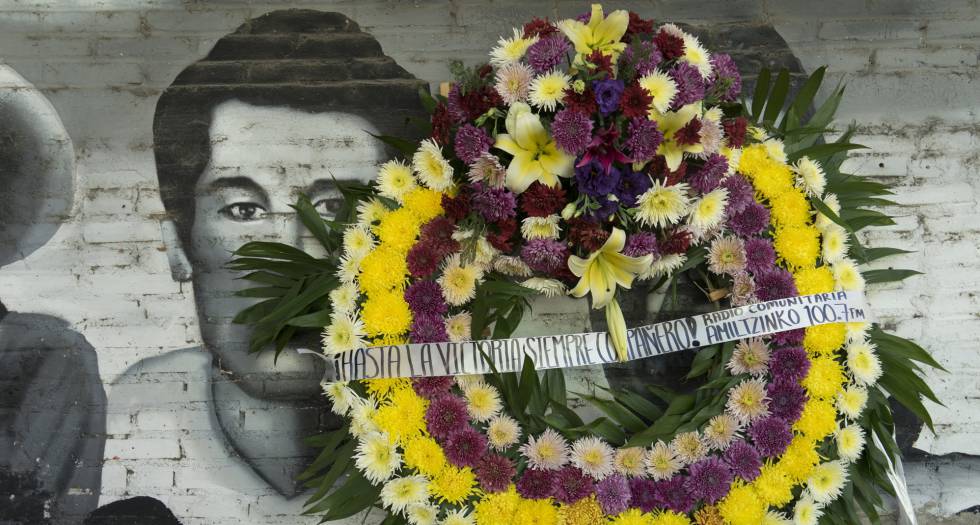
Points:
[852,400]
[810,176]
[697,56]
[341,397]
[458,281]
[757,133]
[748,401]
[806,512]
[826,481]
[457,517]
[663,206]
[750,356]
[546,287]
[466,380]
[395,180]
[514,82]
[665,265]
[776,150]
[548,451]
[541,227]
[689,446]
[344,299]
[422,514]
[593,456]
[850,442]
[482,401]
[358,241]
[734,156]
[674,30]
[377,457]
[362,413]
[511,50]
[776,518]
[458,327]
[720,431]
[630,461]
[857,331]
[661,88]
[348,269]
[503,432]
[714,114]
[710,136]
[708,211]
[484,253]
[863,363]
[834,244]
[847,276]
[399,493]
[662,462]
[345,332]
[432,167]
[822,222]
[548,90]
[370,211]
[512,266]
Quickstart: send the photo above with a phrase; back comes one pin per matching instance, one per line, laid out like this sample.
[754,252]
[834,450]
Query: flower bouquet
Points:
[587,155]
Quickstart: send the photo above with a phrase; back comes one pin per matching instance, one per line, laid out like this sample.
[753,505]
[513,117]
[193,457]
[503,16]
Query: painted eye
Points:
[243,211]
[328,207]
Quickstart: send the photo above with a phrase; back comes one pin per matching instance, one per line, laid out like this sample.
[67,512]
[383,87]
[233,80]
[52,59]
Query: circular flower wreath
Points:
[587,155]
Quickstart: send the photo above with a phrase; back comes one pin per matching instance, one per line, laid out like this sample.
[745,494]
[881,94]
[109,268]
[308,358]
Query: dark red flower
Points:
[597,62]
[456,208]
[441,124]
[423,259]
[735,131]
[677,242]
[638,25]
[438,233]
[501,239]
[466,107]
[495,472]
[689,134]
[484,70]
[657,168]
[587,234]
[539,28]
[584,101]
[635,102]
[670,46]
[540,200]
[603,149]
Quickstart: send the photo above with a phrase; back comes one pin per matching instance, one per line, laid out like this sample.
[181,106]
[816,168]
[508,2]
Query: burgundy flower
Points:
[586,234]
[541,200]
[760,256]
[599,62]
[547,53]
[638,25]
[640,244]
[456,208]
[494,204]
[789,337]
[537,484]
[583,102]
[735,131]
[433,387]
[644,139]
[710,174]
[425,298]
[423,259]
[439,232]
[673,494]
[445,416]
[428,328]
[753,220]
[441,124]
[471,142]
[643,494]
[465,447]
[775,283]
[501,239]
[670,46]
[689,134]
[786,397]
[572,131]
[635,102]
[538,27]
[545,255]
[602,148]
[573,485]
[677,242]
[494,473]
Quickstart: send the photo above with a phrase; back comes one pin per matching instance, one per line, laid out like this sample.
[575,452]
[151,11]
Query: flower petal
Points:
[612,29]
[508,144]
[556,161]
[601,283]
[615,242]
[578,265]
[529,133]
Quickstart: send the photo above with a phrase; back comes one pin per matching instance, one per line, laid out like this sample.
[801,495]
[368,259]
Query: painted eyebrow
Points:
[244,183]
[322,186]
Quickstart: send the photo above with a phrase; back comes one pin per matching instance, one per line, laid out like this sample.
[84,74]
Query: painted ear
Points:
[180,266]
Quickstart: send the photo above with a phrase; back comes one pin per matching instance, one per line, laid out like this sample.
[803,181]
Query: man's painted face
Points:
[262,159]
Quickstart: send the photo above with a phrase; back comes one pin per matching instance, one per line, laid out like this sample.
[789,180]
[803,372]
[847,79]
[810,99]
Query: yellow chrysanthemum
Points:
[535,512]
[753,159]
[819,419]
[424,204]
[824,378]
[742,506]
[403,416]
[798,246]
[453,485]
[851,401]
[790,208]
[423,454]
[773,485]
[386,313]
[661,88]
[395,180]
[497,508]
[632,516]
[824,339]
[814,280]
[800,458]
[382,270]
[398,230]
[585,511]
[669,517]
[772,180]
[381,389]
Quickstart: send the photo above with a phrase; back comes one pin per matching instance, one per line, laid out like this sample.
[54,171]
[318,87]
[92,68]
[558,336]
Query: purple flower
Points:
[640,244]
[776,283]
[740,193]
[771,436]
[602,148]
[594,181]
[644,57]
[573,485]
[545,255]
[709,479]
[606,208]
[572,131]
[494,473]
[673,495]
[643,494]
[753,220]
[786,398]
[428,328]
[613,494]
[465,447]
[710,174]
[471,142]
[446,415]
[425,297]
[725,79]
[545,54]
[743,460]
[644,139]
[494,204]
[690,86]
[760,256]
[789,364]
[607,94]
[537,484]
[789,337]
[631,185]
[432,387]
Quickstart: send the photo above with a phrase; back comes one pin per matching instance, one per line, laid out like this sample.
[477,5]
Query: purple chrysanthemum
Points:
[786,399]
[690,85]
[744,460]
[425,297]
[753,220]
[725,78]
[594,181]
[545,54]
[674,496]
[465,447]
[709,479]
[789,364]
[432,387]
[771,436]
[428,328]
[643,139]
[573,485]
[471,142]
[710,174]
[740,193]
[760,256]
[572,131]
[608,93]
[776,283]
[640,244]
[545,255]
[494,204]
[613,493]
[494,473]
[537,484]
[644,57]
[643,494]
[446,415]
[789,337]
[632,184]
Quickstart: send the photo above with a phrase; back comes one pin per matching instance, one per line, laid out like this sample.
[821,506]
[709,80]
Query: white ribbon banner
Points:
[595,348]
